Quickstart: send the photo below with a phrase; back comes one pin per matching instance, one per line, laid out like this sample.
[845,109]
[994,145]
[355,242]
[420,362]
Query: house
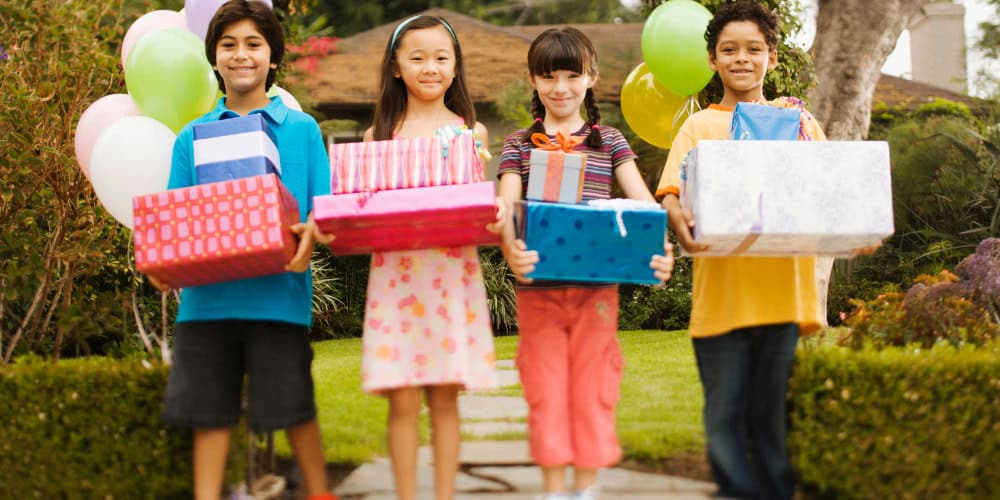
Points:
[346,82]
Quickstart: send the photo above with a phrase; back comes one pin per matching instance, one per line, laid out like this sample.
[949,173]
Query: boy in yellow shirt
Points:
[747,312]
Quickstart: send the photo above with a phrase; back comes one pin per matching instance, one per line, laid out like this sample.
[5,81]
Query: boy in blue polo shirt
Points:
[254,327]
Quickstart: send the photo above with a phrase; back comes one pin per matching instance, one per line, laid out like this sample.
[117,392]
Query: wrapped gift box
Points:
[216,232]
[591,244]
[408,219]
[556,170]
[762,122]
[403,163]
[235,148]
[789,197]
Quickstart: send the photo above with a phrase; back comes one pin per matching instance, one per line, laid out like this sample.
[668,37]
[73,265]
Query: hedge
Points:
[897,423]
[91,428]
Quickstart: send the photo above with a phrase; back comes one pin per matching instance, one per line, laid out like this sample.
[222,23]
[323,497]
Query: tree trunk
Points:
[853,40]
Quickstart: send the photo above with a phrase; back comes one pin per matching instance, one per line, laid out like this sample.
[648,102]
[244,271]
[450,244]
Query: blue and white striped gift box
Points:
[235,148]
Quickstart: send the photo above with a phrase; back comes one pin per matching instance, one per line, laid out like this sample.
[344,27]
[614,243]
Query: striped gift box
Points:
[235,148]
[216,232]
[556,176]
[357,167]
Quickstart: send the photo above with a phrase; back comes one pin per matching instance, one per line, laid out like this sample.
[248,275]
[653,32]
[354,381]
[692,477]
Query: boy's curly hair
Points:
[766,21]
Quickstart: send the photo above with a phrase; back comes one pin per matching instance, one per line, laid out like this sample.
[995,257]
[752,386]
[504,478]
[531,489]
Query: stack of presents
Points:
[610,241]
[749,197]
[770,192]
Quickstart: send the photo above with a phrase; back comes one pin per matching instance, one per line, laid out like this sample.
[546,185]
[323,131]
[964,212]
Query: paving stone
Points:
[623,480]
[495,453]
[492,407]
[376,477]
[615,483]
[494,427]
[483,453]
[507,378]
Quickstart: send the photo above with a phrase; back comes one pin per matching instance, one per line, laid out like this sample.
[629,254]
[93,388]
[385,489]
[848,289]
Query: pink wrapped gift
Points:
[408,219]
[216,232]
[403,163]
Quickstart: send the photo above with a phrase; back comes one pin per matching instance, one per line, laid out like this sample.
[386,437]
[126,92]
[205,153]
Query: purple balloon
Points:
[198,14]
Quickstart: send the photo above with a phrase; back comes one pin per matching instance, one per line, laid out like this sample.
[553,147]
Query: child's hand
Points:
[306,232]
[682,221]
[520,260]
[663,265]
[160,285]
[321,237]
[498,226]
[867,250]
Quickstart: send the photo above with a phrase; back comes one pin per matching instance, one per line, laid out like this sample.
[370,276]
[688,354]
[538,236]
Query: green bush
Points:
[901,423]
[91,428]
[651,308]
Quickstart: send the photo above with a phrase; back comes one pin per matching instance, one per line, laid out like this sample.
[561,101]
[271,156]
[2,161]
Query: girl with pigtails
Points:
[568,358]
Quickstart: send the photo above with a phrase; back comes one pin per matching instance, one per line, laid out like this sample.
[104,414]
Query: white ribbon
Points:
[619,205]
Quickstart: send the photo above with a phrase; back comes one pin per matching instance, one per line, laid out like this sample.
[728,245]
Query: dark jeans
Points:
[744,375]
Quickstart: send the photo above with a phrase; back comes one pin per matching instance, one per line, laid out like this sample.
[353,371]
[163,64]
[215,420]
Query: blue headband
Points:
[395,32]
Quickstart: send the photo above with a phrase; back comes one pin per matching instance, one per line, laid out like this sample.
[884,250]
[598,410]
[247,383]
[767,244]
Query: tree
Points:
[853,40]
[987,81]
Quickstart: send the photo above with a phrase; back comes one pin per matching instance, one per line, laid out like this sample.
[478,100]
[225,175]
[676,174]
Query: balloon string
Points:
[687,109]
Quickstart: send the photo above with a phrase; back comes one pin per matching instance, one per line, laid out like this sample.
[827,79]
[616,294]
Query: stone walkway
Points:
[495,463]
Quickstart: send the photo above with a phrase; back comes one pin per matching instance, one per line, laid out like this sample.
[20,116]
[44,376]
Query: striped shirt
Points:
[599,170]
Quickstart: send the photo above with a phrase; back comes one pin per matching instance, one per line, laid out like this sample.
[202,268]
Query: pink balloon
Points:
[148,23]
[199,14]
[95,119]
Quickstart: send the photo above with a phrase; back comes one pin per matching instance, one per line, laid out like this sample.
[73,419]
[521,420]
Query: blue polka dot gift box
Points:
[235,148]
[604,241]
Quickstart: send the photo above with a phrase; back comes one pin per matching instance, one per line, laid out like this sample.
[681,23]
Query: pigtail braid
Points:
[593,119]
[538,113]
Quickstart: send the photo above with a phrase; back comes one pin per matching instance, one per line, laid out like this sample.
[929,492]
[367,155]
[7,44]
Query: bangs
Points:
[558,53]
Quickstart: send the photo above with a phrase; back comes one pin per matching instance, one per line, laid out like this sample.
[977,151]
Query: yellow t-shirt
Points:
[737,292]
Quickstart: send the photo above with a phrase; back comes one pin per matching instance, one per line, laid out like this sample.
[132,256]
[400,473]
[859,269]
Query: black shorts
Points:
[210,359]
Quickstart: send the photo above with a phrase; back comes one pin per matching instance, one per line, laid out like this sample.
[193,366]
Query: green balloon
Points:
[169,77]
[673,46]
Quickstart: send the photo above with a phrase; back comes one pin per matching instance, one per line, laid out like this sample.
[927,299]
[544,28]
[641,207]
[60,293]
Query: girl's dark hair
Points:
[267,23]
[766,21]
[391,104]
[564,49]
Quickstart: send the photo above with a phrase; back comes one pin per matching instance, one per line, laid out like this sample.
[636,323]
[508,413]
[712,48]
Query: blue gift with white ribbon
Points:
[235,148]
[762,122]
[605,241]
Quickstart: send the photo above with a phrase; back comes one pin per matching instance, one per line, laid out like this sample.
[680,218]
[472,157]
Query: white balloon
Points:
[131,157]
[286,97]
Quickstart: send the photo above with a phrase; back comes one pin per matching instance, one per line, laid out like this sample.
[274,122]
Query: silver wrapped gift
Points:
[788,197]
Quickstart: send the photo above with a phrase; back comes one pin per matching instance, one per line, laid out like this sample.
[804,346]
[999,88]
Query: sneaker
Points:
[587,494]
[555,496]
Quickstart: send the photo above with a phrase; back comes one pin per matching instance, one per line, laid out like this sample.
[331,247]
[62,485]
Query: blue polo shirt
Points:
[305,171]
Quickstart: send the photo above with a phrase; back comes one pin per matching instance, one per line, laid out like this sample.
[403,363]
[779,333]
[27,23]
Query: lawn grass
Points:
[659,414]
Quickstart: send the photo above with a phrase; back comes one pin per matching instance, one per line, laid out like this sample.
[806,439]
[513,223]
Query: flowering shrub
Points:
[957,308]
[305,57]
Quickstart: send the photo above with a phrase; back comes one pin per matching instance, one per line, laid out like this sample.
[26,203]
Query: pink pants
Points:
[571,367]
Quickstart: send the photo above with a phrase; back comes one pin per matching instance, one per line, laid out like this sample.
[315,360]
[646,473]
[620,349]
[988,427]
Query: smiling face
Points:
[562,92]
[425,60]
[742,58]
[243,58]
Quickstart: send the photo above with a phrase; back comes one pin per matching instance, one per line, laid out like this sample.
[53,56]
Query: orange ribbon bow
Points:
[564,141]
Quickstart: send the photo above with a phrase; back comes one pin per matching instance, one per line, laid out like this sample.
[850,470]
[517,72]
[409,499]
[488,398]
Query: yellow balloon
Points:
[650,108]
